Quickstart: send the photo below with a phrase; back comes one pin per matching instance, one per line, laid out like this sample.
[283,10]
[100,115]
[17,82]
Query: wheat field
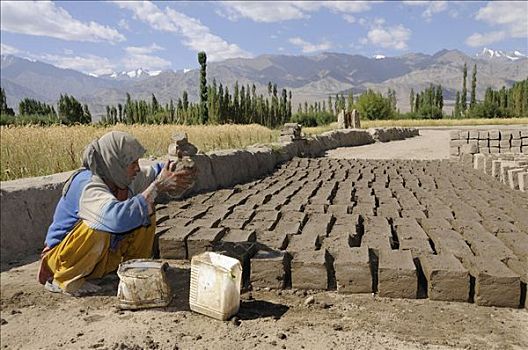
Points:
[28,151]
[36,151]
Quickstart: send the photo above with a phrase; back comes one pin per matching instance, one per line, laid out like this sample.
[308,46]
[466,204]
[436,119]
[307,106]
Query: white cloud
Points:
[277,11]
[478,39]
[89,64]
[395,37]
[44,18]
[349,18]
[8,50]
[123,23]
[431,7]
[141,57]
[195,35]
[309,47]
[508,16]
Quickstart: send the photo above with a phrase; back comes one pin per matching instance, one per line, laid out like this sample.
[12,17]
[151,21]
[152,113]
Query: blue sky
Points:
[102,37]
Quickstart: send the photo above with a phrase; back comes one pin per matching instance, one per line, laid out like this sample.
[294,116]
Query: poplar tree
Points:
[463,97]
[411,100]
[204,112]
[473,100]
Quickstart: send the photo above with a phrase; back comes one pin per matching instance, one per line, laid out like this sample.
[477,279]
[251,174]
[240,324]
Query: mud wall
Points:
[28,204]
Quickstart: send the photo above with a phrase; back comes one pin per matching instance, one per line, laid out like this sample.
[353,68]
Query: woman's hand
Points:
[174,179]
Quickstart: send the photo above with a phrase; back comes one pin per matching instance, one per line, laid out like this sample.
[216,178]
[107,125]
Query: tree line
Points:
[69,111]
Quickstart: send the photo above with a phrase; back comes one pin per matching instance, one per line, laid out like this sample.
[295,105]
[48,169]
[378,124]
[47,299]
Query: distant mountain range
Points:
[310,78]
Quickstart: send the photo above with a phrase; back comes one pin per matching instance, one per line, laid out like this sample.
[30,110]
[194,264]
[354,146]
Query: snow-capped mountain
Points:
[499,54]
[379,57]
[138,73]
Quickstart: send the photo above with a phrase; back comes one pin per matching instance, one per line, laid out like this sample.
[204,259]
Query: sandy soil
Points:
[32,318]
[35,319]
[431,144]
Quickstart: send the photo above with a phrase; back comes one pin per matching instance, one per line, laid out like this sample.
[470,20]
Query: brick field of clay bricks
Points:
[401,229]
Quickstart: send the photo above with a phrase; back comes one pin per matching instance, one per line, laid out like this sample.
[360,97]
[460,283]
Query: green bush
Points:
[313,119]
[373,105]
[29,120]
[429,112]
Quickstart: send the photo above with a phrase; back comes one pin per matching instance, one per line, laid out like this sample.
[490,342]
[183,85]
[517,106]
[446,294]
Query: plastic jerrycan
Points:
[215,285]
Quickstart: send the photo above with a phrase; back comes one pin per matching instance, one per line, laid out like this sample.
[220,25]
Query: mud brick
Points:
[478,162]
[407,228]
[483,135]
[293,206]
[495,283]
[203,240]
[172,243]
[520,267]
[237,235]
[463,134]
[208,222]
[513,177]
[516,241]
[523,181]
[484,150]
[352,270]
[484,244]
[269,269]
[288,227]
[494,150]
[447,278]
[318,224]
[193,212]
[505,135]
[350,220]
[388,211]
[363,210]
[273,240]
[265,215]
[483,143]
[450,242]
[234,223]
[454,151]
[339,209]
[494,134]
[434,223]
[241,214]
[397,277]
[504,144]
[221,211]
[524,133]
[457,143]
[465,212]
[474,134]
[293,216]
[260,225]
[309,270]
[440,213]
[305,241]
[315,208]
[413,213]
[349,231]
[516,143]
[494,143]
[524,141]
[454,135]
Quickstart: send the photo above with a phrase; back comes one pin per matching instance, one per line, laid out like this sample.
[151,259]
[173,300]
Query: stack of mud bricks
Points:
[396,228]
[290,132]
[468,142]
[509,168]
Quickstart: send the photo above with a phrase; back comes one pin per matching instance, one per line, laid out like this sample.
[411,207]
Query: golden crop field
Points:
[28,151]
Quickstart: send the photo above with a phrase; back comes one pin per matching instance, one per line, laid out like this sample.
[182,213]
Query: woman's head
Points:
[113,157]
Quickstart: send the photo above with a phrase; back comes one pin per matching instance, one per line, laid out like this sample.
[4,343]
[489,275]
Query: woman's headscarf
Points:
[108,157]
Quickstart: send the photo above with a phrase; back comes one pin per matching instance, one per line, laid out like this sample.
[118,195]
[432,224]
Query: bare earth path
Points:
[34,319]
[431,144]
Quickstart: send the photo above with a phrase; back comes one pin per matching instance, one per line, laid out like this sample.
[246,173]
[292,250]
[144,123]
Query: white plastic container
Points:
[215,285]
[143,284]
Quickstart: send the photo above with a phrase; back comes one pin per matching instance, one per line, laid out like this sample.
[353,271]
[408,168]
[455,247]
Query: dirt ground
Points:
[32,318]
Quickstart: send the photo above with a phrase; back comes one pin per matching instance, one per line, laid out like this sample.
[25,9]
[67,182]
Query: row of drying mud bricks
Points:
[488,141]
[510,169]
[357,254]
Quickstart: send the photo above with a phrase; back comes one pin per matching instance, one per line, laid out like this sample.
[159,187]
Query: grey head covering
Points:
[109,157]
